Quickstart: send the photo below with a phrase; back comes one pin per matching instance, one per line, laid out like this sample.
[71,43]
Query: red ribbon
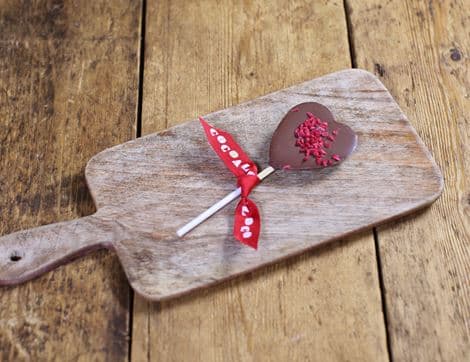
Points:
[247,223]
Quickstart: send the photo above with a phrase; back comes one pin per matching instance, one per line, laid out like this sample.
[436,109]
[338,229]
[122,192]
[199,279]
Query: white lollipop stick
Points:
[218,205]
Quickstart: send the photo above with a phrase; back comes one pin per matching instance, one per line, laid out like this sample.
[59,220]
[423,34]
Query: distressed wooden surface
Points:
[68,89]
[426,259]
[322,305]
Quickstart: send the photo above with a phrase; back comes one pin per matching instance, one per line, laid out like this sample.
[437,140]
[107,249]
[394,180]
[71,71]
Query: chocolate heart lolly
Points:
[308,137]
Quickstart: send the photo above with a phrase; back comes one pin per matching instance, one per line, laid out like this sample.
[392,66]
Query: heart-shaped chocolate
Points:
[308,137]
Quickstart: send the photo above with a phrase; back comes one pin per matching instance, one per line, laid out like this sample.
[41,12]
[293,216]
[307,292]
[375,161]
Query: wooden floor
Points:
[79,76]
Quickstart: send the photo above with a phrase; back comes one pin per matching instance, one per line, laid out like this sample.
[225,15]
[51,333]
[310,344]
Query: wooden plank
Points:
[205,56]
[423,59]
[68,84]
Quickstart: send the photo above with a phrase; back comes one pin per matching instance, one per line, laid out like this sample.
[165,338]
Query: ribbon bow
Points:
[247,222]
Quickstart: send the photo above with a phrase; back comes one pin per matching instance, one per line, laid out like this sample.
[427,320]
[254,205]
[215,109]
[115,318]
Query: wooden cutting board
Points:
[147,188]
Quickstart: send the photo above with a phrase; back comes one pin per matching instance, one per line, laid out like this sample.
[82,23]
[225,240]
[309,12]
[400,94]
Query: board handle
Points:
[29,253]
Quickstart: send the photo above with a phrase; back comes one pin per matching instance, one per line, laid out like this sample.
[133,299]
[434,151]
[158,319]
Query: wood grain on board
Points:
[68,89]
[423,59]
[200,57]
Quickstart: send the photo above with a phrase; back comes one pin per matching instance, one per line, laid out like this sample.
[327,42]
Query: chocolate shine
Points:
[284,154]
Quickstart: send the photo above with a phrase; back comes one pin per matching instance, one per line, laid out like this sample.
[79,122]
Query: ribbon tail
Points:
[247,220]
[247,223]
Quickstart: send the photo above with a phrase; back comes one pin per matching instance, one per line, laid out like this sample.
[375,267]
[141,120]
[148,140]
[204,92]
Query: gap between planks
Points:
[138,134]
[352,55]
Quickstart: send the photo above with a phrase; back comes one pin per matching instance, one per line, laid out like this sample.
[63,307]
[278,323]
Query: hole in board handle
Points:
[15,256]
